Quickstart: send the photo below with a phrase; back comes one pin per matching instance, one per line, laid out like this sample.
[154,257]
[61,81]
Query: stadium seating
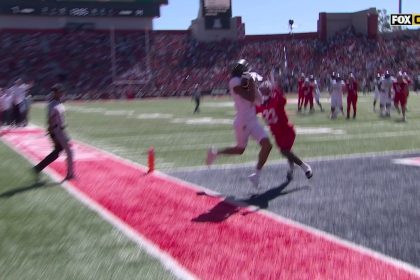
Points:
[82,59]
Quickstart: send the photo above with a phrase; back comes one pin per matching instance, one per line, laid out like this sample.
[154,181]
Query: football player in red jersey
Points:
[409,82]
[274,114]
[301,95]
[351,89]
[401,94]
[308,93]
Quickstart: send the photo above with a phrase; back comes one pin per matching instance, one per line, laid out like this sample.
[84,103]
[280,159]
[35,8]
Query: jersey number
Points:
[270,116]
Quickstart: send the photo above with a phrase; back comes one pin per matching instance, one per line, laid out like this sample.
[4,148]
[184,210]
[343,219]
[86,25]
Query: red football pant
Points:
[285,137]
[300,100]
[309,98]
[351,101]
[400,99]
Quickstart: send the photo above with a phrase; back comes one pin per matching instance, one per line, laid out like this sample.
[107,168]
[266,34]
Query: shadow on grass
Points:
[31,187]
[232,205]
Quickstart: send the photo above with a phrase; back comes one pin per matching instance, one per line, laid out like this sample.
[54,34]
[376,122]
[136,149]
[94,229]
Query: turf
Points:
[129,129]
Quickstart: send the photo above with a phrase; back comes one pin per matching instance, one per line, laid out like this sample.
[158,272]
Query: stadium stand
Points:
[81,59]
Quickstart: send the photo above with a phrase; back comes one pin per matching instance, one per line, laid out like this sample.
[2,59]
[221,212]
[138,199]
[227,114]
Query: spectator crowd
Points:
[170,63]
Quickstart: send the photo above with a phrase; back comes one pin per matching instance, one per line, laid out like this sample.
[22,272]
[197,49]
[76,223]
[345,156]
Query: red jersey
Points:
[308,90]
[273,111]
[351,87]
[300,86]
[400,88]
[274,114]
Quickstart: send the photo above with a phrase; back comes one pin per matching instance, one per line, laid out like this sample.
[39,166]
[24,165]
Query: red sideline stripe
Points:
[250,246]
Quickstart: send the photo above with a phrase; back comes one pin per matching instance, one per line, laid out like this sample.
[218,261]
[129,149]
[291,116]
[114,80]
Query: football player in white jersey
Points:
[377,91]
[19,91]
[317,91]
[386,94]
[245,95]
[337,89]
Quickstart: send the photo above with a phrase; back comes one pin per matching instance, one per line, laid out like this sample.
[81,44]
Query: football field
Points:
[358,197]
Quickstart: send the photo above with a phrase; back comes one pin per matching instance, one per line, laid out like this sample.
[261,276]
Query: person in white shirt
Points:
[196,96]
[337,88]
[56,130]
[377,93]
[19,91]
[245,95]
[317,92]
[387,90]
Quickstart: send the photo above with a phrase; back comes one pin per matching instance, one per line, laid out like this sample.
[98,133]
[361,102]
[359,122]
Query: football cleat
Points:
[254,178]
[308,170]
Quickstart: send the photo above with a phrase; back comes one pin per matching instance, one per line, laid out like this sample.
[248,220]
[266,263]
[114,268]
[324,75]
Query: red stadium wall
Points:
[322,26]
[268,37]
[373,26]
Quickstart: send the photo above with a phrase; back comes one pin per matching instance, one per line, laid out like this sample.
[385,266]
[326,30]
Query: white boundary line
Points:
[164,258]
[283,161]
[407,161]
[335,239]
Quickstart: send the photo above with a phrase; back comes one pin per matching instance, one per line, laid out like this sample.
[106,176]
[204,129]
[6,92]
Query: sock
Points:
[305,167]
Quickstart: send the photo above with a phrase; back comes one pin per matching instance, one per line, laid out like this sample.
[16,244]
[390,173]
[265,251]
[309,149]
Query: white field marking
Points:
[119,112]
[318,130]
[408,161]
[205,135]
[228,104]
[152,116]
[202,121]
[174,148]
[338,137]
[283,161]
[126,113]
[337,240]
[85,110]
[378,135]
[165,259]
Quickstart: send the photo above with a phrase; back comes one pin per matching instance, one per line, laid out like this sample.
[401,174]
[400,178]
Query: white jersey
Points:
[317,91]
[19,93]
[245,110]
[337,94]
[386,90]
[55,115]
[377,84]
[387,86]
[7,100]
[337,88]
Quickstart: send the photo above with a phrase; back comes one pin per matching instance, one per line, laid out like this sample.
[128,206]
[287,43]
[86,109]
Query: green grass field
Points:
[46,234]
[181,138]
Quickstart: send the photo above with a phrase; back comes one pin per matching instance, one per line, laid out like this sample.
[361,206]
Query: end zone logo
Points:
[405,19]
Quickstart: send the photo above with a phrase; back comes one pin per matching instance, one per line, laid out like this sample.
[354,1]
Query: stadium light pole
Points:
[400,6]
